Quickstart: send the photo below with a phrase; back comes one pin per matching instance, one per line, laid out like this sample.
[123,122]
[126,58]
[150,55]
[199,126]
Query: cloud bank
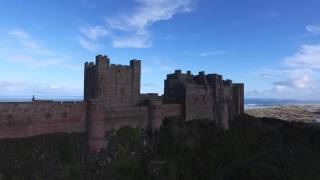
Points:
[21,48]
[313,28]
[23,88]
[131,30]
[300,75]
[205,54]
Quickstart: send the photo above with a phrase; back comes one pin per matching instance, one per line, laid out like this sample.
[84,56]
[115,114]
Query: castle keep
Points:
[112,99]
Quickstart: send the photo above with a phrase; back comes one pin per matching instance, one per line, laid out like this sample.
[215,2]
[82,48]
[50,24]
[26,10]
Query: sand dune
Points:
[303,113]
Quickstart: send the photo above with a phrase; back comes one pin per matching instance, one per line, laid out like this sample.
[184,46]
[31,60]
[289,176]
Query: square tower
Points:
[113,84]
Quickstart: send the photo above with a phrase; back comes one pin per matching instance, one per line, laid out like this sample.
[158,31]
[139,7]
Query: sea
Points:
[253,103]
[29,99]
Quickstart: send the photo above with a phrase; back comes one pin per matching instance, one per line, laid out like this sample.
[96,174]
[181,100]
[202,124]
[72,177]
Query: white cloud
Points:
[130,30]
[299,75]
[94,32]
[135,24]
[10,87]
[313,28]
[19,33]
[8,84]
[25,49]
[88,44]
[90,35]
[132,41]
[279,88]
[149,12]
[307,57]
[204,54]
[24,38]
[31,62]
[212,53]
[298,82]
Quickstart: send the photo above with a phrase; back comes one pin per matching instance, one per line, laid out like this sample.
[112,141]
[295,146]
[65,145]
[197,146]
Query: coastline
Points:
[306,113]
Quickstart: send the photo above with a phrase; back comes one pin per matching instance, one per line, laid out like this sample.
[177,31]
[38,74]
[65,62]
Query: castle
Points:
[112,99]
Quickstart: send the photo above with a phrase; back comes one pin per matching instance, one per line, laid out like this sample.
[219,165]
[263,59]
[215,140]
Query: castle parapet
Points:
[102,61]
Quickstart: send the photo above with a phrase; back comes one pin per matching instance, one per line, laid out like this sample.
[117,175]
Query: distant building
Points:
[112,99]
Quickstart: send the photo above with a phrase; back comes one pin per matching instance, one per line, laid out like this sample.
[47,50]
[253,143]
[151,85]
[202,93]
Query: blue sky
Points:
[272,46]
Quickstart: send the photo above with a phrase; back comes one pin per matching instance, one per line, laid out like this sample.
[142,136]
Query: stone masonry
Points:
[112,99]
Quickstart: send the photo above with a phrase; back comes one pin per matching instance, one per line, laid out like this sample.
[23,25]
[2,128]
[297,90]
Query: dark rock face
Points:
[254,148]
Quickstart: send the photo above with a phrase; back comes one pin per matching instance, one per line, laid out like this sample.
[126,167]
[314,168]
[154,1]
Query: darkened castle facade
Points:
[112,99]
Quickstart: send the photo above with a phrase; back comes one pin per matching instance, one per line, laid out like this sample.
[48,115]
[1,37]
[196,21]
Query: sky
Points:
[272,46]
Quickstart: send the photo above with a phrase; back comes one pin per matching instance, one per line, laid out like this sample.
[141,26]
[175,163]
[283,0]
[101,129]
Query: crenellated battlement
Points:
[214,80]
[104,62]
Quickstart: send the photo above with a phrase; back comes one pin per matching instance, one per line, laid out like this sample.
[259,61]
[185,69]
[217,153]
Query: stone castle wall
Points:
[33,118]
[112,99]
[19,120]
[103,118]
[198,103]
